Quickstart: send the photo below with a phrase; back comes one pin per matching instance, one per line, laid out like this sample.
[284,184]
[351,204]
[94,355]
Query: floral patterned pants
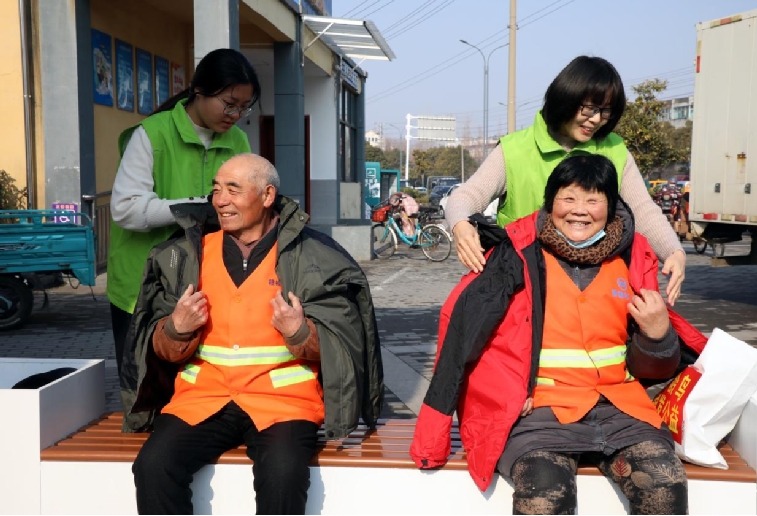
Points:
[648,473]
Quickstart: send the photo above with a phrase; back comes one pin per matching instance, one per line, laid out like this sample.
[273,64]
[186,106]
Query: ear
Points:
[269,196]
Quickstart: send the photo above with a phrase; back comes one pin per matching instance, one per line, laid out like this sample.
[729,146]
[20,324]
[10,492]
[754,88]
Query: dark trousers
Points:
[120,321]
[175,451]
[648,473]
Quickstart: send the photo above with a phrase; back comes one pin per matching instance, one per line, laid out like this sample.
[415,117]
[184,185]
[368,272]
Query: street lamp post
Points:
[485,144]
[400,145]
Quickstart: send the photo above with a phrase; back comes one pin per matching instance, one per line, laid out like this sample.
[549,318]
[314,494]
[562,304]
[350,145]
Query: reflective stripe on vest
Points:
[230,357]
[189,373]
[243,358]
[580,358]
[290,375]
[583,349]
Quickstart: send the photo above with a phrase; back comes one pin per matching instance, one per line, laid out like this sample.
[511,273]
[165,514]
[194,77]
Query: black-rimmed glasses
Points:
[231,109]
[590,111]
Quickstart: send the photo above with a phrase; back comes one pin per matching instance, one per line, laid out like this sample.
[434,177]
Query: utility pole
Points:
[513,26]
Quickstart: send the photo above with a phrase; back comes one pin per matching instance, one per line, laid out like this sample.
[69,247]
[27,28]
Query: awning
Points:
[357,39]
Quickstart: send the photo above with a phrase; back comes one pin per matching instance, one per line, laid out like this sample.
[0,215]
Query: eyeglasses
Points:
[231,109]
[572,201]
[590,111]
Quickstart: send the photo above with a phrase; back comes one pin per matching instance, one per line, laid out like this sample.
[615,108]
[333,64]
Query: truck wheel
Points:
[16,301]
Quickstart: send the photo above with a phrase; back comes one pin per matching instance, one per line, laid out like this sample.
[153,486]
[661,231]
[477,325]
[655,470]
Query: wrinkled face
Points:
[578,214]
[241,205]
[211,111]
[585,125]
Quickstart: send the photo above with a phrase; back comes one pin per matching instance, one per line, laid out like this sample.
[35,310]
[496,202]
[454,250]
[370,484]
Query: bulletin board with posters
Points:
[102,67]
[162,78]
[145,102]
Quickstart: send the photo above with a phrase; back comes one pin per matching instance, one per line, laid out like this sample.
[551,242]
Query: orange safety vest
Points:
[583,351]
[242,357]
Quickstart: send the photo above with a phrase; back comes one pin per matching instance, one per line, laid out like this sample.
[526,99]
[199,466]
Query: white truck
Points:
[723,196]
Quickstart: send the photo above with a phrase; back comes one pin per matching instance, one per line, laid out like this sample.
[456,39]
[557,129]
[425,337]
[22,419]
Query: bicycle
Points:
[432,239]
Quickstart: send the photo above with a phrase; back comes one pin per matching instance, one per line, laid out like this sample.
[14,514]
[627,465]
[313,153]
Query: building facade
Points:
[66,86]
[678,111]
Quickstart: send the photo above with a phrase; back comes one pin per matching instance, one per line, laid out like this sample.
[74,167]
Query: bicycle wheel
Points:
[435,243]
[384,241]
[699,245]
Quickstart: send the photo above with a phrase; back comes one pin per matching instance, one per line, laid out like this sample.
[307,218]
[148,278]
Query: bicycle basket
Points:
[381,214]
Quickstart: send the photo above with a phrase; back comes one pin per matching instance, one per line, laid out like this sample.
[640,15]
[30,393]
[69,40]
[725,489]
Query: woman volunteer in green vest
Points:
[172,157]
[581,108]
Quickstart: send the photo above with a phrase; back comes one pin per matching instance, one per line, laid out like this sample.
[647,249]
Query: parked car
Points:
[437,193]
[420,189]
[490,212]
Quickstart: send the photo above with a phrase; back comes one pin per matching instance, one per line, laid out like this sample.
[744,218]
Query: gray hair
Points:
[262,172]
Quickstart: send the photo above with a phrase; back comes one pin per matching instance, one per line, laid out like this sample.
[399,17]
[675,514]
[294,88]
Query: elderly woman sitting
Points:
[540,355]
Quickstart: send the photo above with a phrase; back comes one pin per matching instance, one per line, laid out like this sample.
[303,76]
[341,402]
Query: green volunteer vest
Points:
[530,157]
[182,168]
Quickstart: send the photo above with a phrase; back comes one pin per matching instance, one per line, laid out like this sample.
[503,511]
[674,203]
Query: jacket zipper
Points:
[204,162]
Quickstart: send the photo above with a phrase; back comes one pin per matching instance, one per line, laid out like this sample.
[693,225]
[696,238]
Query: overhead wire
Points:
[452,61]
[366,15]
[356,8]
[418,22]
[409,15]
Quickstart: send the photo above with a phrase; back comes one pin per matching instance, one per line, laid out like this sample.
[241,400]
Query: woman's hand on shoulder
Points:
[468,246]
[675,267]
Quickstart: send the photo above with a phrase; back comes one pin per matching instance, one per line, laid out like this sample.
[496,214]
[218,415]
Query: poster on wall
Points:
[144,82]
[102,63]
[177,79]
[162,87]
[124,76]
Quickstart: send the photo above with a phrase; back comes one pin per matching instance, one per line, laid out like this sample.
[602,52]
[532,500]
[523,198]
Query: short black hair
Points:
[591,172]
[585,78]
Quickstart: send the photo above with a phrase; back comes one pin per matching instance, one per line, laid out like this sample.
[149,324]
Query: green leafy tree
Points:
[421,165]
[11,197]
[392,160]
[373,153]
[642,132]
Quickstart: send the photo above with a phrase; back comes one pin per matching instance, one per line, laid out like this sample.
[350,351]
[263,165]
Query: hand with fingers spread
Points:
[287,319]
[468,246]
[675,267]
[191,311]
[650,312]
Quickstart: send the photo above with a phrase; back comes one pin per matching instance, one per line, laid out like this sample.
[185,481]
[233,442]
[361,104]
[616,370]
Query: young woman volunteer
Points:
[172,157]
[581,108]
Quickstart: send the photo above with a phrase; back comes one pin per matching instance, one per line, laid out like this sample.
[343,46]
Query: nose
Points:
[220,198]
[596,118]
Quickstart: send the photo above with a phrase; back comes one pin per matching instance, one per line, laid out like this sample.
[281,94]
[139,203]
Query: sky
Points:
[434,74]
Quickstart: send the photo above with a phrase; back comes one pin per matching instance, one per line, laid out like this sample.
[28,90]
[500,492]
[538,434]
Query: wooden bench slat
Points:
[385,447]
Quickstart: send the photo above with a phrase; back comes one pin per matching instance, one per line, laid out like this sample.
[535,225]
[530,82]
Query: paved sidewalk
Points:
[408,292]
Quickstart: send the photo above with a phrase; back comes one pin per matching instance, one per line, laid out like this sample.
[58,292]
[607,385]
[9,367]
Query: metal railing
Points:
[101,224]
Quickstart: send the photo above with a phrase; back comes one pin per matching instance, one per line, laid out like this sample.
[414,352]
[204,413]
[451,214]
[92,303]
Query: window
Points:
[348,137]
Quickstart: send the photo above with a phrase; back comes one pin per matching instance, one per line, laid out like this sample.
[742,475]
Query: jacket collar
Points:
[192,216]
[547,144]
[187,131]
[523,232]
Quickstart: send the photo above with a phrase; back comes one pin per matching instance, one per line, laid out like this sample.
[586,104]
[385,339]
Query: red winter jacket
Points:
[486,365]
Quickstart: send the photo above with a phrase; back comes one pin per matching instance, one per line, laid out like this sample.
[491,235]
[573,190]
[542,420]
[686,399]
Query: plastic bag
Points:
[703,403]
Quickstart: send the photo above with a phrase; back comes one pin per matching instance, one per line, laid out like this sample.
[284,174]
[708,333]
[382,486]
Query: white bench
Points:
[368,473]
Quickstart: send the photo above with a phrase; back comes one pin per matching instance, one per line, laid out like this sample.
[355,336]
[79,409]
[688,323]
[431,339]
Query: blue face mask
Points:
[585,243]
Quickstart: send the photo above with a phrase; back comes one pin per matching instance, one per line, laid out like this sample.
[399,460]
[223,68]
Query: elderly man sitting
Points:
[251,328]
